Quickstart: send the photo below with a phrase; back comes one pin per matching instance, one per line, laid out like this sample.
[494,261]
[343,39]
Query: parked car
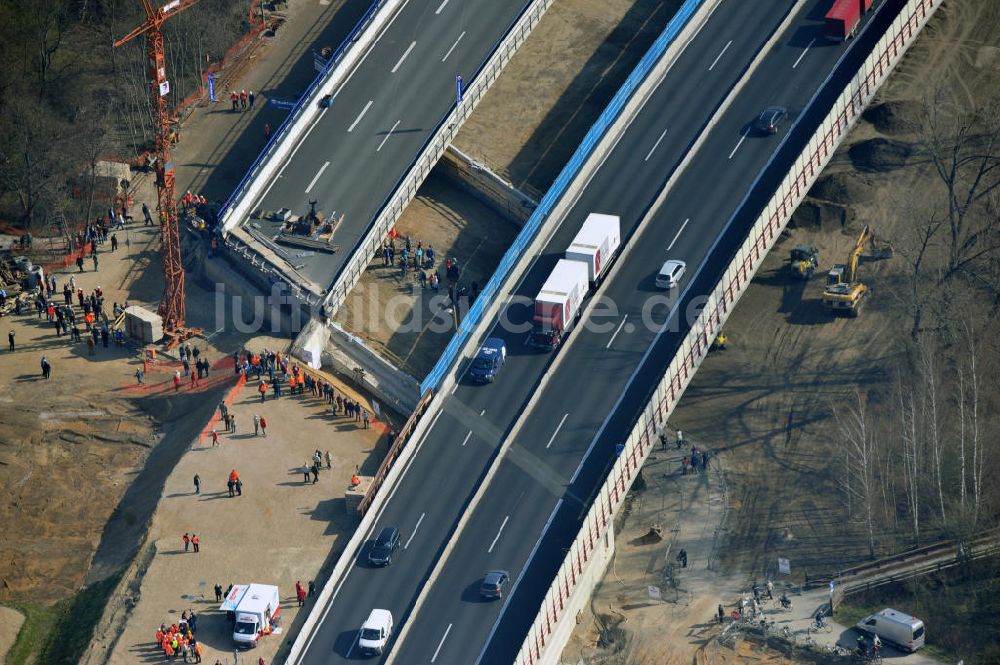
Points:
[388,541]
[670,274]
[493,584]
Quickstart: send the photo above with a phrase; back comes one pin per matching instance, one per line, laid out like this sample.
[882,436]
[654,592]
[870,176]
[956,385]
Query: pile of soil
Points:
[880,155]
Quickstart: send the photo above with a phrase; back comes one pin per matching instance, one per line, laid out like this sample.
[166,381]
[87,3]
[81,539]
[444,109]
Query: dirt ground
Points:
[769,398]
[392,312]
[525,129]
[280,530]
[10,623]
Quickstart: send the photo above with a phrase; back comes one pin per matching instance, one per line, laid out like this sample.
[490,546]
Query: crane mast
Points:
[172,304]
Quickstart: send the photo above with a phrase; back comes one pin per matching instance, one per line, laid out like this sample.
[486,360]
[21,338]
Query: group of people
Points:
[417,259]
[178,639]
[313,466]
[697,461]
[191,201]
[235,484]
[63,315]
[301,593]
[278,370]
[242,100]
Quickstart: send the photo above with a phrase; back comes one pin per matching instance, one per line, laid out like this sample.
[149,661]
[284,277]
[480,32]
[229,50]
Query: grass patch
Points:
[58,634]
[958,606]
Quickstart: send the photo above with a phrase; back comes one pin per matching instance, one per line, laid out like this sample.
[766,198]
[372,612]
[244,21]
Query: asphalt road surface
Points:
[558,459]
[351,158]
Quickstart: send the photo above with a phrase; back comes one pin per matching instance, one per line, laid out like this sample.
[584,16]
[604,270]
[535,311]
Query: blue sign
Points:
[458,89]
[286,104]
[211,88]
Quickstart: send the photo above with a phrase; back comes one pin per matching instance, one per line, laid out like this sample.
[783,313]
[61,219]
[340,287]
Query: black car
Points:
[389,540]
[770,119]
[493,584]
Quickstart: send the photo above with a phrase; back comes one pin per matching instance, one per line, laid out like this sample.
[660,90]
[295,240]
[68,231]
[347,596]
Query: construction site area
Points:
[848,407]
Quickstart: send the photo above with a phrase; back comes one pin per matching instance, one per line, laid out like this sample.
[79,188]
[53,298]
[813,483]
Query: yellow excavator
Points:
[843,292]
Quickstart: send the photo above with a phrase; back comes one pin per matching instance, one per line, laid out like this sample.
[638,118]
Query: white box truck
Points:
[557,305]
[254,611]
[596,244]
[902,630]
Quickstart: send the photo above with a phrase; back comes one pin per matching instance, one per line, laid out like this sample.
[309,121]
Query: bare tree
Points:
[910,454]
[859,473]
[963,145]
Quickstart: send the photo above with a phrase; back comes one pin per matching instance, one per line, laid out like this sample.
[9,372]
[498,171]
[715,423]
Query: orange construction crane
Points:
[172,306]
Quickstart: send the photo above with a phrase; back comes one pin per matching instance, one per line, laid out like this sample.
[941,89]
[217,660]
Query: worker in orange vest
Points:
[355,481]
[233,476]
[262,389]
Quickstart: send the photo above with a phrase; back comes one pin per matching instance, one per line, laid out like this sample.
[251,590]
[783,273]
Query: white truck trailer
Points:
[596,244]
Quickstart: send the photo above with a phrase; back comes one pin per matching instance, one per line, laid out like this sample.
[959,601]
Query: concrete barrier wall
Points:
[481,182]
[392,208]
[575,580]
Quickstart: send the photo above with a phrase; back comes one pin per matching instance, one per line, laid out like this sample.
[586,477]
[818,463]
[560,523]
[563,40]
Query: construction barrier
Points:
[552,626]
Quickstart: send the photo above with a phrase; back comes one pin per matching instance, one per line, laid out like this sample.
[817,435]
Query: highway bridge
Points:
[502,474]
[385,102]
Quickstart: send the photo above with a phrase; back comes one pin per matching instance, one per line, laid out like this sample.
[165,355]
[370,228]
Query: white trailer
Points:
[596,244]
[558,304]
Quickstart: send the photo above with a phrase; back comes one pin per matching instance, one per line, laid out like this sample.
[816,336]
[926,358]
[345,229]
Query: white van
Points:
[375,632]
[902,630]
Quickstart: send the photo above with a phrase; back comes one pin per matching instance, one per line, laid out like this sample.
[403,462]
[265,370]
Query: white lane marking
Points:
[353,644]
[493,544]
[483,412]
[679,232]
[302,141]
[650,154]
[559,426]
[433,422]
[739,143]
[441,6]
[403,57]
[612,340]
[447,630]
[454,388]
[716,61]
[390,134]
[360,115]
[316,177]
[531,555]
[414,530]
[453,46]
[467,438]
[799,59]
